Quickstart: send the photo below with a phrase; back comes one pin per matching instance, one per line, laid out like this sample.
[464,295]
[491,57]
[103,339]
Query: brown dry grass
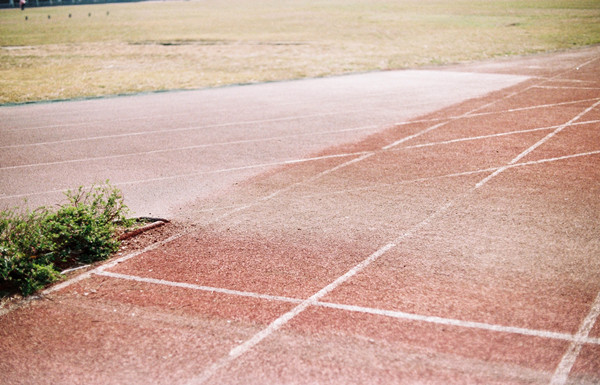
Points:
[129,48]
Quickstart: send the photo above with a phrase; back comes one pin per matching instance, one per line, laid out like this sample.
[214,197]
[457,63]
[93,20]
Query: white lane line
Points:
[500,134]
[172,238]
[184,285]
[293,185]
[185,148]
[204,110]
[537,144]
[193,174]
[469,115]
[176,149]
[285,318]
[415,135]
[561,375]
[474,113]
[556,131]
[459,323]
[568,88]
[113,263]
[367,310]
[453,175]
[182,129]
[124,258]
[575,81]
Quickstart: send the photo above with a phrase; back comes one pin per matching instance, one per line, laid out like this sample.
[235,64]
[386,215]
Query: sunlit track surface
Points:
[164,150]
[458,246]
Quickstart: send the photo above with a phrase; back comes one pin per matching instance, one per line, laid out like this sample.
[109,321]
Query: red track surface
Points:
[461,246]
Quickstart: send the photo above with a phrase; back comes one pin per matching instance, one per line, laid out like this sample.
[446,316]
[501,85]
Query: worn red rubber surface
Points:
[460,247]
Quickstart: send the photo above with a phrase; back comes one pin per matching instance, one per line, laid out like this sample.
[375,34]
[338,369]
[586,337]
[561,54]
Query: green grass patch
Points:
[36,245]
[112,49]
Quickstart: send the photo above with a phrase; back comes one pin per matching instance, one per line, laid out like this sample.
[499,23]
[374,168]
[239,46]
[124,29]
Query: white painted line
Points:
[170,131]
[368,310]
[593,340]
[192,174]
[112,263]
[561,375]
[177,149]
[454,322]
[564,80]
[116,261]
[550,135]
[479,114]
[415,135]
[453,175]
[362,157]
[113,110]
[285,318]
[184,285]
[293,185]
[536,145]
[567,88]
[500,134]
[563,157]
[473,113]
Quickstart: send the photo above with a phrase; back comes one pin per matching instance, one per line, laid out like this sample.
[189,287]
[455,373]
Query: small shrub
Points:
[34,243]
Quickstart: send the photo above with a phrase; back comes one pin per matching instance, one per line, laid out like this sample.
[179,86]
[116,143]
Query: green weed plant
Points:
[36,245]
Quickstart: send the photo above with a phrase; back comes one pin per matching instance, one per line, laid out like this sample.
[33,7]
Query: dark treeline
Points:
[51,3]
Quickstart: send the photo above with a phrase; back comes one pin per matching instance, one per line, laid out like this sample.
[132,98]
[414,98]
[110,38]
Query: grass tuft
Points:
[36,245]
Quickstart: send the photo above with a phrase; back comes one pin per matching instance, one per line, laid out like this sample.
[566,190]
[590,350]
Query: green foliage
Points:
[34,243]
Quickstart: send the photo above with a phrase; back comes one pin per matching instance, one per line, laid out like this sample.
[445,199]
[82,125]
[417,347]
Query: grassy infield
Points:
[125,48]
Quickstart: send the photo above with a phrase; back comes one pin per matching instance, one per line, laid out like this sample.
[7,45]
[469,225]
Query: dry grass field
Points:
[83,51]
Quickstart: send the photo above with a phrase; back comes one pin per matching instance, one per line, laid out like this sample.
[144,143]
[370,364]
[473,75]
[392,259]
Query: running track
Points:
[460,244]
